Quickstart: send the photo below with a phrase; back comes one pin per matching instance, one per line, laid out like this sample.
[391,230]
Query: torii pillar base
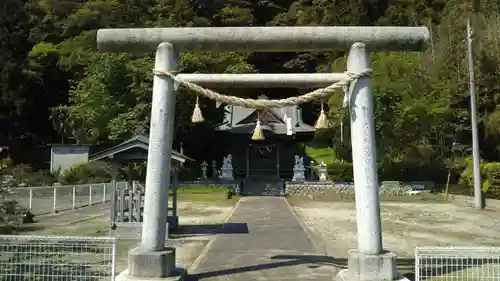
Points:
[149,266]
[178,275]
[363,267]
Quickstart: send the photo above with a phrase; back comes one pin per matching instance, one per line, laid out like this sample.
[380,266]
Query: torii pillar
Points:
[151,259]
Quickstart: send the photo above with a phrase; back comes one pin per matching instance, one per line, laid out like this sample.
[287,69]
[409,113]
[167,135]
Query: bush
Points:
[491,183]
[490,176]
[92,172]
[341,172]
[25,175]
[407,171]
[467,176]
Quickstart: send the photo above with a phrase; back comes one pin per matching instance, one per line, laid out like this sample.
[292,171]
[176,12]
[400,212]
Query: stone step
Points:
[258,188]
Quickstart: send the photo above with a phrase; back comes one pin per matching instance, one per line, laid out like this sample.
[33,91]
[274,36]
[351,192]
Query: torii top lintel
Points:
[264,39]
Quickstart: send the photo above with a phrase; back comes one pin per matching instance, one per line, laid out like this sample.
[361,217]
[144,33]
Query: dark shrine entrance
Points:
[263,160]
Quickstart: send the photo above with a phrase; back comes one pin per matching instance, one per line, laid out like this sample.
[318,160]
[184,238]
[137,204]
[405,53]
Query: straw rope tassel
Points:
[197,115]
[258,134]
[322,122]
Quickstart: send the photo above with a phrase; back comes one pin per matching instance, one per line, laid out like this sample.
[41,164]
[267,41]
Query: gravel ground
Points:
[405,225]
[188,247]
[203,212]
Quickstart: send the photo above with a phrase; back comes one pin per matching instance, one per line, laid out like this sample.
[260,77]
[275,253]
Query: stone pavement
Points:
[263,240]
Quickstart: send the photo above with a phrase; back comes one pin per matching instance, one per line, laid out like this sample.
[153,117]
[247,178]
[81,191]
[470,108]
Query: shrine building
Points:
[273,157]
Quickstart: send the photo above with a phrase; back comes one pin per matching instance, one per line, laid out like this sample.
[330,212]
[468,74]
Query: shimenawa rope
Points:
[263,103]
[318,94]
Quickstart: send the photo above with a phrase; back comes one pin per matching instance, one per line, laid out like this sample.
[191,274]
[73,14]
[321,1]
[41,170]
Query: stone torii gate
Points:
[151,260]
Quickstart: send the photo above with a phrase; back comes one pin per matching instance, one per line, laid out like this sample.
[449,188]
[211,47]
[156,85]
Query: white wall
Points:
[64,157]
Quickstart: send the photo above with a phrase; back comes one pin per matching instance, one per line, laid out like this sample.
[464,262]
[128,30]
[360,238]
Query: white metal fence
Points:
[457,263]
[48,199]
[56,258]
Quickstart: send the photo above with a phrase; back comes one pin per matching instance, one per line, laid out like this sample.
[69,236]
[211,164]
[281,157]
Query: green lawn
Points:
[206,193]
[202,190]
[319,154]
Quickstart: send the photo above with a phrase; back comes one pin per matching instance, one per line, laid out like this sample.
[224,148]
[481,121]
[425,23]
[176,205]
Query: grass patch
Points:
[204,193]
[202,190]
[321,154]
[216,200]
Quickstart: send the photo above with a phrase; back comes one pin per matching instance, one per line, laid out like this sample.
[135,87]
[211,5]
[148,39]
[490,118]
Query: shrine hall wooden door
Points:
[263,161]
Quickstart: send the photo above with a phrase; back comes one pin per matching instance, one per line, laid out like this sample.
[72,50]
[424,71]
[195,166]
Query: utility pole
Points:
[478,193]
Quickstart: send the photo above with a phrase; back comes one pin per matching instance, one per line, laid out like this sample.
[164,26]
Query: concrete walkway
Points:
[263,240]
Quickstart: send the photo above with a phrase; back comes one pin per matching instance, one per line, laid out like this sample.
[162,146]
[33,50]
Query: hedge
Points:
[341,172]
[490,178]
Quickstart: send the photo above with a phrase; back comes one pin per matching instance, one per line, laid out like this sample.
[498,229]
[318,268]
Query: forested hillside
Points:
[55,87]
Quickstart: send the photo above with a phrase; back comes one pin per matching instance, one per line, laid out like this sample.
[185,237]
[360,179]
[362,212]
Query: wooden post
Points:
[130,205]
[130,177]
[175,185]
[121,207]
[112,214]
[130,193]
[90,195]
[54,201]
[138,206]
[104,193]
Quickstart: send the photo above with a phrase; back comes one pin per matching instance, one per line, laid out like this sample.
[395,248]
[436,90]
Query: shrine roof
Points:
[275,128]
[240,113]
[241,120]
[133,149]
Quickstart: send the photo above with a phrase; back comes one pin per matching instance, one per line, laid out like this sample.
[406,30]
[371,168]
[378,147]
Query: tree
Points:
[48,59]
[113,100]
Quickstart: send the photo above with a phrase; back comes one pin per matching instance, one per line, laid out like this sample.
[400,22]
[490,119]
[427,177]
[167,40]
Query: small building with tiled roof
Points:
[132,150]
